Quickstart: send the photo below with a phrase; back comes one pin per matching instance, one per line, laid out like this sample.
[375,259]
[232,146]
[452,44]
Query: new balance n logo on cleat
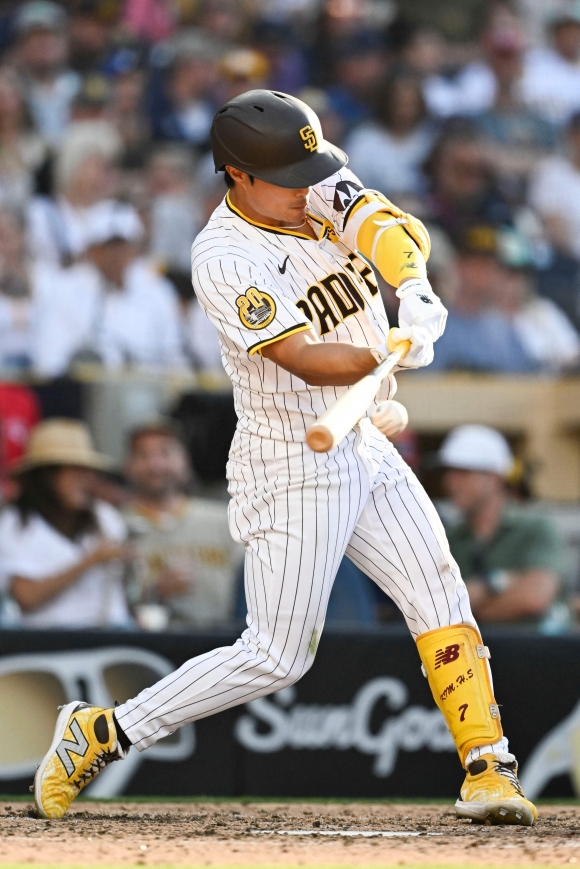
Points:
[66,747]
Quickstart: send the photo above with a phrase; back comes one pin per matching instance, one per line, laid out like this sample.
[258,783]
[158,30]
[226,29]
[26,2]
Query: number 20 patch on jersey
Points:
[256,308]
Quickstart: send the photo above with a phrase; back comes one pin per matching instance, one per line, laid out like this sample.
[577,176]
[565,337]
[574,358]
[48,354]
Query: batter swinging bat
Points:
[336,422]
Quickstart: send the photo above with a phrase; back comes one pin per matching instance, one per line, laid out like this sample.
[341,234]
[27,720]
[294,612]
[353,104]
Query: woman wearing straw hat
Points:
[60,549]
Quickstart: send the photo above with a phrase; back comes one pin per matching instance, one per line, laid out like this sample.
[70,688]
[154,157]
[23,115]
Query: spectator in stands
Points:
[473,88]
[85,181]
[516,136]
[175,215]
[551,80]
[92,99]
[181,108]
[22,150]
[61,552]
[150,20]
[555,193]
[479,336]
[463,189]
[111,307]
[226,20]
[387,152]
[18,283]
[42,56]
[423,51]
[543,329]
[90,34]
[19,413]
[241,70]
[277,40]
[126,110]
[510,561]
[356,66]
[187,560]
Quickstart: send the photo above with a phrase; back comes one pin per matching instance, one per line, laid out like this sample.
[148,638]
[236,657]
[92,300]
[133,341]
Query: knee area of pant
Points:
[287,673]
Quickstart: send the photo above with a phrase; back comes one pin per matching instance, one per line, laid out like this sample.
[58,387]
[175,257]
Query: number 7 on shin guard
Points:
[455,661]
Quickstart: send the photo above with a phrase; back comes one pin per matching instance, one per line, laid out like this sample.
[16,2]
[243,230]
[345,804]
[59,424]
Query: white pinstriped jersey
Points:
[299,512]
[258,283]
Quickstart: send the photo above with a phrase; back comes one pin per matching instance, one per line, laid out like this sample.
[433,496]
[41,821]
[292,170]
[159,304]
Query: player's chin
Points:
[297,213]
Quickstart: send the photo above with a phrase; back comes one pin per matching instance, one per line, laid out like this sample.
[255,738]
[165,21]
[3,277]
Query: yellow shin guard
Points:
[454,659]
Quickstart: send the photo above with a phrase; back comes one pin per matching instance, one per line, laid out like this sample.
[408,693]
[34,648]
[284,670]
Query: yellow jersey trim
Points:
[257,348]
[277,230]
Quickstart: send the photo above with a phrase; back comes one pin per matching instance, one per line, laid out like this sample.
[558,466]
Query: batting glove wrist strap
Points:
[421,307]
[416,285]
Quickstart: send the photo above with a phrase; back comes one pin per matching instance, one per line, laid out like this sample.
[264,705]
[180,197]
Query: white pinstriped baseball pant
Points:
[298,512]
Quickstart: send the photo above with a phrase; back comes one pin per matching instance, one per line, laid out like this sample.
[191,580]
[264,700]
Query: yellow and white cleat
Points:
[492,794]
[85,742]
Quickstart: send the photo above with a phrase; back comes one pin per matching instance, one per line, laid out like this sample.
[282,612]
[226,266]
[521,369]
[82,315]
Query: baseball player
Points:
[284,269]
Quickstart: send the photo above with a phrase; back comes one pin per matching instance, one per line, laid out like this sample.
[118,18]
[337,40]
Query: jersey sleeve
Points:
[335,198]
[243,306]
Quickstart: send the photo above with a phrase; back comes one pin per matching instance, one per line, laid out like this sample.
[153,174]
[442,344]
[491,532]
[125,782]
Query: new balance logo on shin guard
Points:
[446,655]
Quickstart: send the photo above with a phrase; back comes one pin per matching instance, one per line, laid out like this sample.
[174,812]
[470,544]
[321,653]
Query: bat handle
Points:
[396,353]
[335,423]
[393,346]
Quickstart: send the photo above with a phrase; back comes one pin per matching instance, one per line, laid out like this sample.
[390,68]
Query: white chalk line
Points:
[364,834]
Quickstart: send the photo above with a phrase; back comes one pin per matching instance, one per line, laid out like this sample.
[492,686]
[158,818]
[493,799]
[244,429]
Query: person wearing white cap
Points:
[111,307]
[60,226]
[510,561]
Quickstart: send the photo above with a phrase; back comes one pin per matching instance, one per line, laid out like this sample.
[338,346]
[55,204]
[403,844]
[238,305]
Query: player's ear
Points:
[236,176]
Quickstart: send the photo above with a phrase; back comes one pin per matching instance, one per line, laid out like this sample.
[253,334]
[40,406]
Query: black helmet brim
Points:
[320,165]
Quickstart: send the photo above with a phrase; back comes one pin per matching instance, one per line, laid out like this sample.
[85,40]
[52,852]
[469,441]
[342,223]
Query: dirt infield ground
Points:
[244,834]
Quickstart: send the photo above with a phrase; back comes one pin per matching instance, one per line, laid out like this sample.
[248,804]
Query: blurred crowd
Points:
[81,548]
[106,174]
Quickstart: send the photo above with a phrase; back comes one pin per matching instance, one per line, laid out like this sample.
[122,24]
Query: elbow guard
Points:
[379,230]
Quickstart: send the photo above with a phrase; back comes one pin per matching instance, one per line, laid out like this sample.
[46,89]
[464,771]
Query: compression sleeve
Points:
[391,249]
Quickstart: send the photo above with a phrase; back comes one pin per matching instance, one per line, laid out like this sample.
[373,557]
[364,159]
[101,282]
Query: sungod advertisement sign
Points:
[362,722]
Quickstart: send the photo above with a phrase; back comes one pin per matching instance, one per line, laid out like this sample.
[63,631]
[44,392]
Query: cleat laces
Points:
[509,771]
[101,760]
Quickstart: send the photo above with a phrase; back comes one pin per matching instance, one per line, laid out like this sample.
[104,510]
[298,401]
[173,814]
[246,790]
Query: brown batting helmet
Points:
[275,137]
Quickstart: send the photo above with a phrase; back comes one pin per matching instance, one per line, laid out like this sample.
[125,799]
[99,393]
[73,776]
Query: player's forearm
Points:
[335,364]
[320,364]
[30,594]
[529,595]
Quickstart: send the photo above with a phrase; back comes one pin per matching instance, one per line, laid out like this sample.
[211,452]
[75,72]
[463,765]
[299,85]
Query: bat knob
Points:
[319,438]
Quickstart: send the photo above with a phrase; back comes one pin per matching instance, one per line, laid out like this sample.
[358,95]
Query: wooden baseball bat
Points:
[336,422]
